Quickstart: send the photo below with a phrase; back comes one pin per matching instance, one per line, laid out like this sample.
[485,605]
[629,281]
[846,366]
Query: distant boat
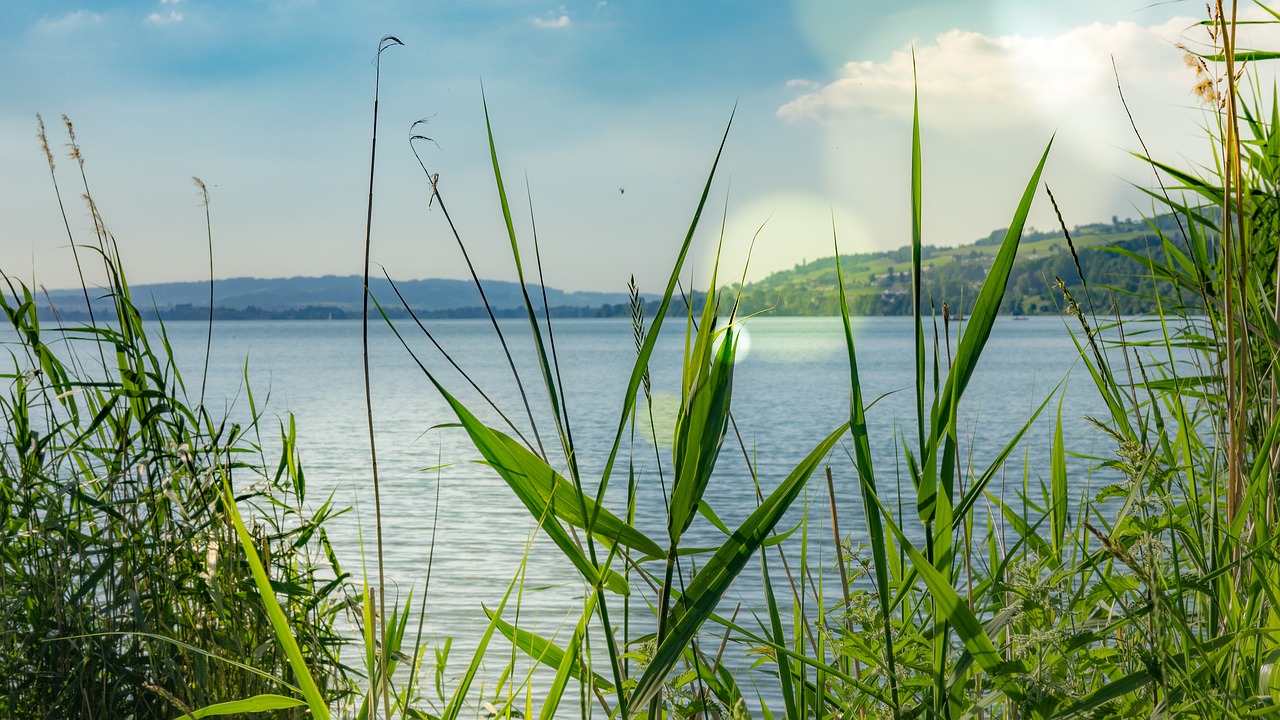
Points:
[1020,317]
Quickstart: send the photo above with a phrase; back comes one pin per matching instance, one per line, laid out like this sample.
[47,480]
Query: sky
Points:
[606,115]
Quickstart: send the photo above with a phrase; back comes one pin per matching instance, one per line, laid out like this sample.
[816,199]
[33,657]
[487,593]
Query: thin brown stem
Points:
[383,44]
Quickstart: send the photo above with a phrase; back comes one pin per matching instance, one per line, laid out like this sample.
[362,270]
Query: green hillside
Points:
[880,283]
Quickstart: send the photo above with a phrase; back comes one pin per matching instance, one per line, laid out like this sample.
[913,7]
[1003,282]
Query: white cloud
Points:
[989,104]
[802,84]
[170,2]
[70,21]
[970,79]
[172,18]
[561,21]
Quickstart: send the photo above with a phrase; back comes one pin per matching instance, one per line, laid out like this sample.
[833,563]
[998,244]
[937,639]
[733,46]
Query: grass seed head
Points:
[44,141]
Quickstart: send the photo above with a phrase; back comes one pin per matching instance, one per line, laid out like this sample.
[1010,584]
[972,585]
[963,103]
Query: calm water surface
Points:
[790,391]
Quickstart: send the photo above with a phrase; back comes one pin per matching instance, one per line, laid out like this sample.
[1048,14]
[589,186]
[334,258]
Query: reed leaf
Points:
[713,580]
[546,652]
[314,700]
[548,496]
[256,704]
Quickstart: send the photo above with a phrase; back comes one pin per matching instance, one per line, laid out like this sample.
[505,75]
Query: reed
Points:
[973,593]
[122,594]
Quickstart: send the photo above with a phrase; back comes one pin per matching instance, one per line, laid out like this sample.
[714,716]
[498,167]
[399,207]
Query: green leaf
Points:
[319,709]
[978,329]
[255,704]
[545,651]
[952,611]
[547,496]
[701,425]
[711,583]
[867,478]
[1058,475]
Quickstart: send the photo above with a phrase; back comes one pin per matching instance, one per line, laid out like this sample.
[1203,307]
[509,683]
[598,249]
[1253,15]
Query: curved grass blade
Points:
[545,651]
[976,334]
[315,701]
[255,704]
[711,583]
[548,496]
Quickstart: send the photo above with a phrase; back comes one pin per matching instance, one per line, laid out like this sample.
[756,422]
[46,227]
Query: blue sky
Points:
[269,103]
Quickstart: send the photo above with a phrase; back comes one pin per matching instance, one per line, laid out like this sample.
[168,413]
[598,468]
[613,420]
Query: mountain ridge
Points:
[877,283]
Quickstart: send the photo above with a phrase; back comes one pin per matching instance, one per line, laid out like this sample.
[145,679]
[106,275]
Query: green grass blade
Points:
[701,425]
[1058,486]
[548,496]
[917,234]
[777,636]
[711,583]
[651,338]
[952,611]
[867,477]
[255,704]
[543,650]
[319,709]
[987,306]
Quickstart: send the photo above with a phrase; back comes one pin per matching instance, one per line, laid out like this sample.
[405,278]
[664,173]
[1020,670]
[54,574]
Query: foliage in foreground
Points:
[1157,597]
[124,592]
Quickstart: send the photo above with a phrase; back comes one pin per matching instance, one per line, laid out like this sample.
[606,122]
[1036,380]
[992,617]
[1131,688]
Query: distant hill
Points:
[880,283]
[877,284]
[335,296]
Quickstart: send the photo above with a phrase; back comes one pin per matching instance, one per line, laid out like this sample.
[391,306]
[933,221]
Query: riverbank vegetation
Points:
[131,576]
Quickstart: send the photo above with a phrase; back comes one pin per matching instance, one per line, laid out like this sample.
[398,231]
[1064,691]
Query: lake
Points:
[791,389]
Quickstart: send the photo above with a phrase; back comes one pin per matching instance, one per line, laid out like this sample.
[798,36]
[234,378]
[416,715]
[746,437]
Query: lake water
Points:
[791,389]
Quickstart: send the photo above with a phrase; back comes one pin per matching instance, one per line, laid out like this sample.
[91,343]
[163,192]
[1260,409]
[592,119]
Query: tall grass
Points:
[972,594]
[1155,597]
[122,592]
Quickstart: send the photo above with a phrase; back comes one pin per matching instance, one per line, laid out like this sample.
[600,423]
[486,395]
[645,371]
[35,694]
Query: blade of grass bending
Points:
[475,279]
[866,472]
[558,408]
[975,336]
[711,583]
[540,350]
[255,704]
[315,701]
[954,612]
[981,320]
[432,338]
[532,478]
[545,651]
[538,486]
